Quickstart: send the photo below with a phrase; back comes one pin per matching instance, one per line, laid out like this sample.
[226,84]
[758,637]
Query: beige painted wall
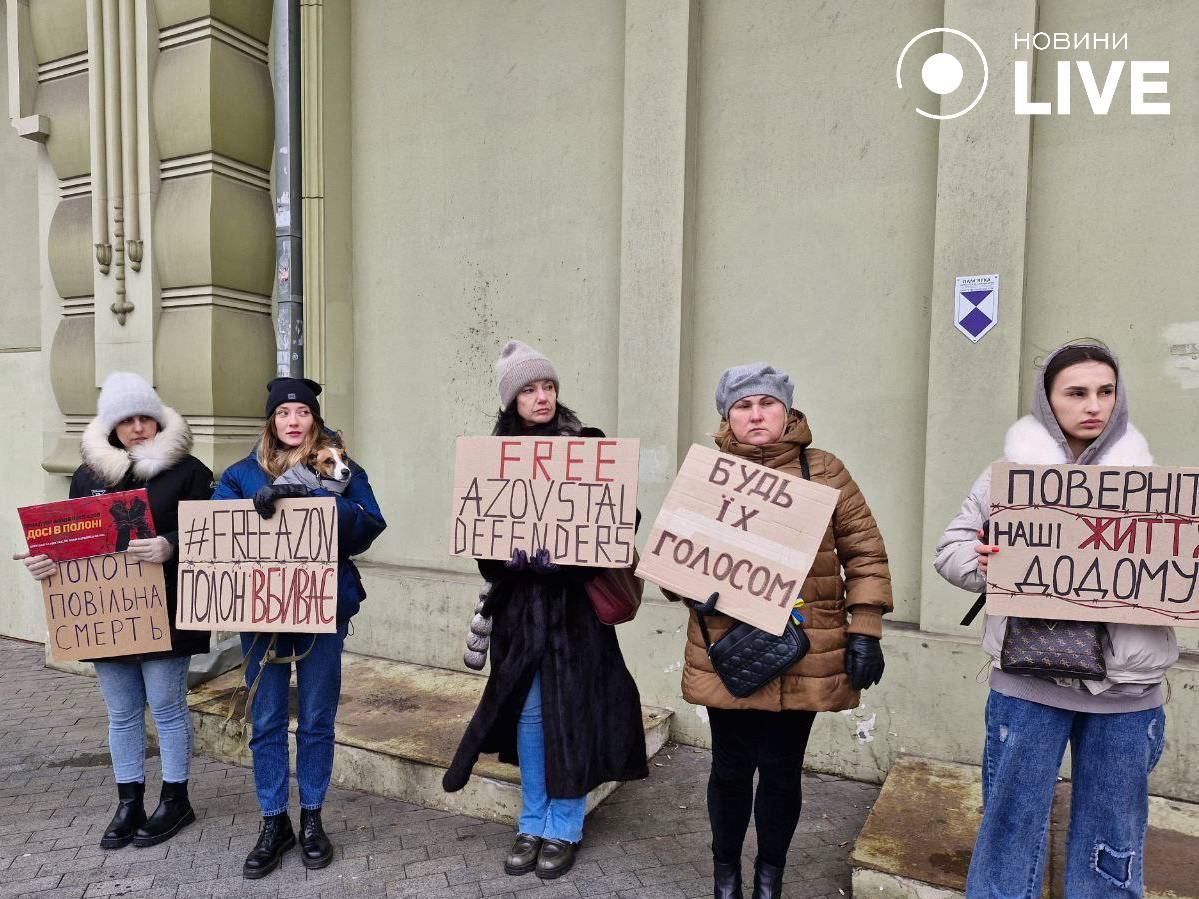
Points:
[20,369]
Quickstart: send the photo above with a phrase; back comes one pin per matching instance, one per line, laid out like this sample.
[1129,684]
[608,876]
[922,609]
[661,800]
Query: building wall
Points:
[20,369]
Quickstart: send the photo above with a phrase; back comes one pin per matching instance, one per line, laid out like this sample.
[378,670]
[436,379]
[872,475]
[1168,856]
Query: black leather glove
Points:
[863,661]
[542,564]
[264,499]
[704,608]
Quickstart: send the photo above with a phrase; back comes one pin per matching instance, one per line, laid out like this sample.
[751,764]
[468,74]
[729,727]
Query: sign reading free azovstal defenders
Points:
[741,529]
[573,496]
[1095,543]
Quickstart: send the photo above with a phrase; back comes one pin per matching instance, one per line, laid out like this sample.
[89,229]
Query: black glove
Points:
[542,564]
[704,608]
[264,499]
[519,561]
[863,661]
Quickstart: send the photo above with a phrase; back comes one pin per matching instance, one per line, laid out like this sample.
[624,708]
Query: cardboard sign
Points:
[1095,543]
[741,529]
[88,526]
[239,571]
[575,496]
[106,606]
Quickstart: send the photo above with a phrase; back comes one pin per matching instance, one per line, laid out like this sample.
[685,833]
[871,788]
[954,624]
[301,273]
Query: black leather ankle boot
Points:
[130,815]
[275,838]
[174,812]
[315,849]
[768,880]
[726,880]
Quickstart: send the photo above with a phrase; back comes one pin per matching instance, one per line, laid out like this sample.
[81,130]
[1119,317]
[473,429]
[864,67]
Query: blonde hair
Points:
[276,458]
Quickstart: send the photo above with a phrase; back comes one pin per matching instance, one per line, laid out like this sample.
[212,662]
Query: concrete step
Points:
[917,842]
[397,727]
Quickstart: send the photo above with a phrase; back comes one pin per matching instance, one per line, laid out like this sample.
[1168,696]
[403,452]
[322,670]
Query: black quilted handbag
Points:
[1047,648]
[746,658]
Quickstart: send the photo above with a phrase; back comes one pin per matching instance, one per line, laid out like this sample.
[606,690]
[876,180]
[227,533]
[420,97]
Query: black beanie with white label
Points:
[292,390]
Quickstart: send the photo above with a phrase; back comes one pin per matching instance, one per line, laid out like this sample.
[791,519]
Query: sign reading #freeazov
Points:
[239,571]
[741,529]
[574,496]
[1095,543]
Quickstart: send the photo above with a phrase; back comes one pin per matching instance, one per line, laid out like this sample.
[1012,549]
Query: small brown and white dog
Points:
[327,467]
[331,463]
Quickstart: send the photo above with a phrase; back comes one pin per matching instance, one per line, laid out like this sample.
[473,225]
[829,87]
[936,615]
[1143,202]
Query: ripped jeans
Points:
[1111,757]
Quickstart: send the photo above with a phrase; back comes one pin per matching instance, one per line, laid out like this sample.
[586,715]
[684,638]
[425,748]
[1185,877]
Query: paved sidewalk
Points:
[648,841]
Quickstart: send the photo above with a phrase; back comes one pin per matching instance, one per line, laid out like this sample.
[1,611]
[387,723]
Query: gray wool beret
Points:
[754,379]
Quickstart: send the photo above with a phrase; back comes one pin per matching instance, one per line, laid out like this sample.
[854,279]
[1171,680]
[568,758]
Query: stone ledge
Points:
[917,842]
[397,727]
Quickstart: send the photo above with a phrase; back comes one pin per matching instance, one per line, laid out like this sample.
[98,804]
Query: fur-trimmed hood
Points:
[1028,442]
[112,463]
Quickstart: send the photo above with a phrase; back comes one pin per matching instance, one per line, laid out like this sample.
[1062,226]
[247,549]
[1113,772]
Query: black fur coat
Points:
[591,710]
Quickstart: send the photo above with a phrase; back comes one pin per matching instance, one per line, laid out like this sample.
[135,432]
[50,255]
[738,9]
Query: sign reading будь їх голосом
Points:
[741,529]
[1095,543]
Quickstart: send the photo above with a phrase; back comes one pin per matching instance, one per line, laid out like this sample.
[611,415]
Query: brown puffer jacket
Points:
[817,682]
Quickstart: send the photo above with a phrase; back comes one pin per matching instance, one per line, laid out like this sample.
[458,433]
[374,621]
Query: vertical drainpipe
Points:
[289,230]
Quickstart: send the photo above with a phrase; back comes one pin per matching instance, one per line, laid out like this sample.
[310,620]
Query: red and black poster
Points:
[88,526]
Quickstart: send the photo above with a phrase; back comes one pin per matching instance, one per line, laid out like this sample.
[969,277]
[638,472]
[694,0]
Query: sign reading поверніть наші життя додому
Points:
[1095,543]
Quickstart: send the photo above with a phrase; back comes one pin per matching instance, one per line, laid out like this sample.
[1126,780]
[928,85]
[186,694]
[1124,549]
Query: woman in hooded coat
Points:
[137,442]
[846,593]
[1115,727]
[559,700]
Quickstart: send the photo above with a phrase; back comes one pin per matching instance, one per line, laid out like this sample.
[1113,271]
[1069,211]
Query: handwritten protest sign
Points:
[746,531]
[106,606]
[87,526]
[239,571]
[575,496]
[1095,543]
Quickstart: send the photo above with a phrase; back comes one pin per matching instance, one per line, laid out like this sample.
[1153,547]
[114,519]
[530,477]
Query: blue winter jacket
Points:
[359,522]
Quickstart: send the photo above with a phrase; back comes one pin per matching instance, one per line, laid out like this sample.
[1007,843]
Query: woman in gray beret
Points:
[845,596]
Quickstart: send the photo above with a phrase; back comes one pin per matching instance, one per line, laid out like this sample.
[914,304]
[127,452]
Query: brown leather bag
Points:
[615,593]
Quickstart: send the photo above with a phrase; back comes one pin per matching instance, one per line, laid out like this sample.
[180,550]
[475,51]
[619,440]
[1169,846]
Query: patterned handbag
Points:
[1048,648]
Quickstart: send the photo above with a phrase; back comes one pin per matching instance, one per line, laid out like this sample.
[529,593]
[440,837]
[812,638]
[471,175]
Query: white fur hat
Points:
[124,395]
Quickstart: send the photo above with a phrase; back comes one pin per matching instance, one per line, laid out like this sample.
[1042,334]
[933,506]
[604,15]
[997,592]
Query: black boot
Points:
[275,838]
[130,815]
[174,812]
[315,849]
[768,880]
[726,880]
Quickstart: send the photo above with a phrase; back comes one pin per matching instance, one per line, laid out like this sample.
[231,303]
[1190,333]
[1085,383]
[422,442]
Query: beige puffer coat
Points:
[850,573]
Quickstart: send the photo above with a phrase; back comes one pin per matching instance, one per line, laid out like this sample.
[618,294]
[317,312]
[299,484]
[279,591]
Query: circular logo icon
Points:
[942,73]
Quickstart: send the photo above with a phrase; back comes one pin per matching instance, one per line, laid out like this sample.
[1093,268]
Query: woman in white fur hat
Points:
[133,442]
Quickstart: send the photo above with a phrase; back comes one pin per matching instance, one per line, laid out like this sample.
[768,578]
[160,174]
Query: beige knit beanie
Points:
[519,364]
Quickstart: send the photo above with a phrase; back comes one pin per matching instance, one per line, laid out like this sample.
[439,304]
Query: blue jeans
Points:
[1111,757]
[127,687]
[318,685]
[541,816]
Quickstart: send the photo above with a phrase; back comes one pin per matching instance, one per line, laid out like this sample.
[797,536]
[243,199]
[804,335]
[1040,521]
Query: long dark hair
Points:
[508,423]
[1072,355]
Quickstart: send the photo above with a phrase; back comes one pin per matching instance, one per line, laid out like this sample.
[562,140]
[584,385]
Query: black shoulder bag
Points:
[747,658]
